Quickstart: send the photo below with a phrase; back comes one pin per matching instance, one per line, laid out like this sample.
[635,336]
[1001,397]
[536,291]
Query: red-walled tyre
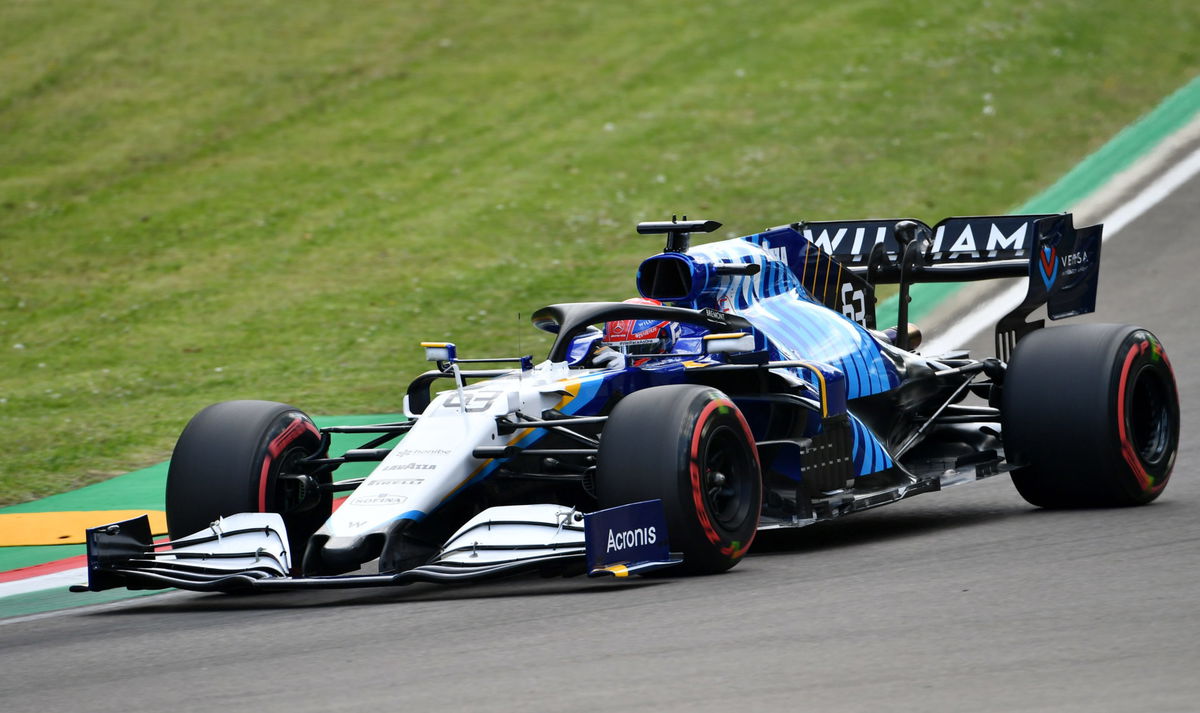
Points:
[690,447]
[228,460]
[1092,413]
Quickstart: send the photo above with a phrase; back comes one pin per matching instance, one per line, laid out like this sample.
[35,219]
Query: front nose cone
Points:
[337,555]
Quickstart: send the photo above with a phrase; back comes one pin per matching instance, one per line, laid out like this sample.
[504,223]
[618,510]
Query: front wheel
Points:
[1091,412]
[690,447]
[230,459]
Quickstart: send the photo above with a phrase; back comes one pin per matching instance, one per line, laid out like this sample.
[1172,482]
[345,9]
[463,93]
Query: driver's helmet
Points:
[641,336]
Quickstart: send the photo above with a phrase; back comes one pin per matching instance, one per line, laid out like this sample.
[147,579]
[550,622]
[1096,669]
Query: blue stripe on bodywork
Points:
[798,326]
[858,451]
[869,454]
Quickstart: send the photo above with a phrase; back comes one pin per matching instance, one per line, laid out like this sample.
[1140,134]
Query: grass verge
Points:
[204,201]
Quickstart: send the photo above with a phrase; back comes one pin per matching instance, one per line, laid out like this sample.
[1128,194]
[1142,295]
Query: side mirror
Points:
[440,351]
[728,343]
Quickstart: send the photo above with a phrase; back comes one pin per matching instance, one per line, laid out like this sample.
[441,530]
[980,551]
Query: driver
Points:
[632,338]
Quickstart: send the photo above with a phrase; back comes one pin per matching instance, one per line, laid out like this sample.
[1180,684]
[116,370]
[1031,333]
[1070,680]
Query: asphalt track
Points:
[962,600]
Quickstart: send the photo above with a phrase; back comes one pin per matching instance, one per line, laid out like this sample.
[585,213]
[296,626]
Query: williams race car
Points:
[748,388]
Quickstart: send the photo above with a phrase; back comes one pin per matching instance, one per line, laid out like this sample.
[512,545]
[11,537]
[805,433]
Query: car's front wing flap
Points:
[248,551]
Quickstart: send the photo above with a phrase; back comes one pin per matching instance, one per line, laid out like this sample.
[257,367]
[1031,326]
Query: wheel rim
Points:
[289,498]
[1150,418]
[728,478]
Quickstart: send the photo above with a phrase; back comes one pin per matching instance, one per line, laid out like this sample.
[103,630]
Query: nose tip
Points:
[337,555]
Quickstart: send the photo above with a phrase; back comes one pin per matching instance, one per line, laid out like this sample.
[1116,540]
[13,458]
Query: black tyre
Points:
[228,460]
[1092,412]
[691,447]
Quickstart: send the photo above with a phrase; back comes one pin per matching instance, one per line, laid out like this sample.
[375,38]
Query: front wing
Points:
[248,551]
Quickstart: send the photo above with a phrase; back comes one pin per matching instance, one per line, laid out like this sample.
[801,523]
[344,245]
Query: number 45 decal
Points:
[854,303]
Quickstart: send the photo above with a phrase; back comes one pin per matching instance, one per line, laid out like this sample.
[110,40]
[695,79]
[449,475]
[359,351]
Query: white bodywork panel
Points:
[513,532]
[435,458]
[261,542]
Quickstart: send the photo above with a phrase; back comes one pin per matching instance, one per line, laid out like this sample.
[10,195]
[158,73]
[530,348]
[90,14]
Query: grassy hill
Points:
[211,200]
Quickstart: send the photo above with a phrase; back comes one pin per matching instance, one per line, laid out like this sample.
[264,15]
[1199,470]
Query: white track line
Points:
[994,309]
[41,582]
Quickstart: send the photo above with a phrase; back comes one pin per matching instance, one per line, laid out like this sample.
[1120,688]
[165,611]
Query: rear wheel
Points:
[1092,413]
[229,459]
[690,447]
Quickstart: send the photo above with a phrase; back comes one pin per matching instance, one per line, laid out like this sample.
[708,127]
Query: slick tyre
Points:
[1091,411]
[690,447]
[229,459]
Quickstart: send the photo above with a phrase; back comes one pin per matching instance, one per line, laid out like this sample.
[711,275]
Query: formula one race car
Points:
[749,388]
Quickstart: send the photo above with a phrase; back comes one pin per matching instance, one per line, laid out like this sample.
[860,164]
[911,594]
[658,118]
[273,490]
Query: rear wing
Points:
[1060,261]
[952,241]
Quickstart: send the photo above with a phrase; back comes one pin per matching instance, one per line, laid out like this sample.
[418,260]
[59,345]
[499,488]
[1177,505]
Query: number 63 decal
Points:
[854,303]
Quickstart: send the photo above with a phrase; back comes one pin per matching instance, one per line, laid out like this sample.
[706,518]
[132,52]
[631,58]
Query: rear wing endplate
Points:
[1064,274]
